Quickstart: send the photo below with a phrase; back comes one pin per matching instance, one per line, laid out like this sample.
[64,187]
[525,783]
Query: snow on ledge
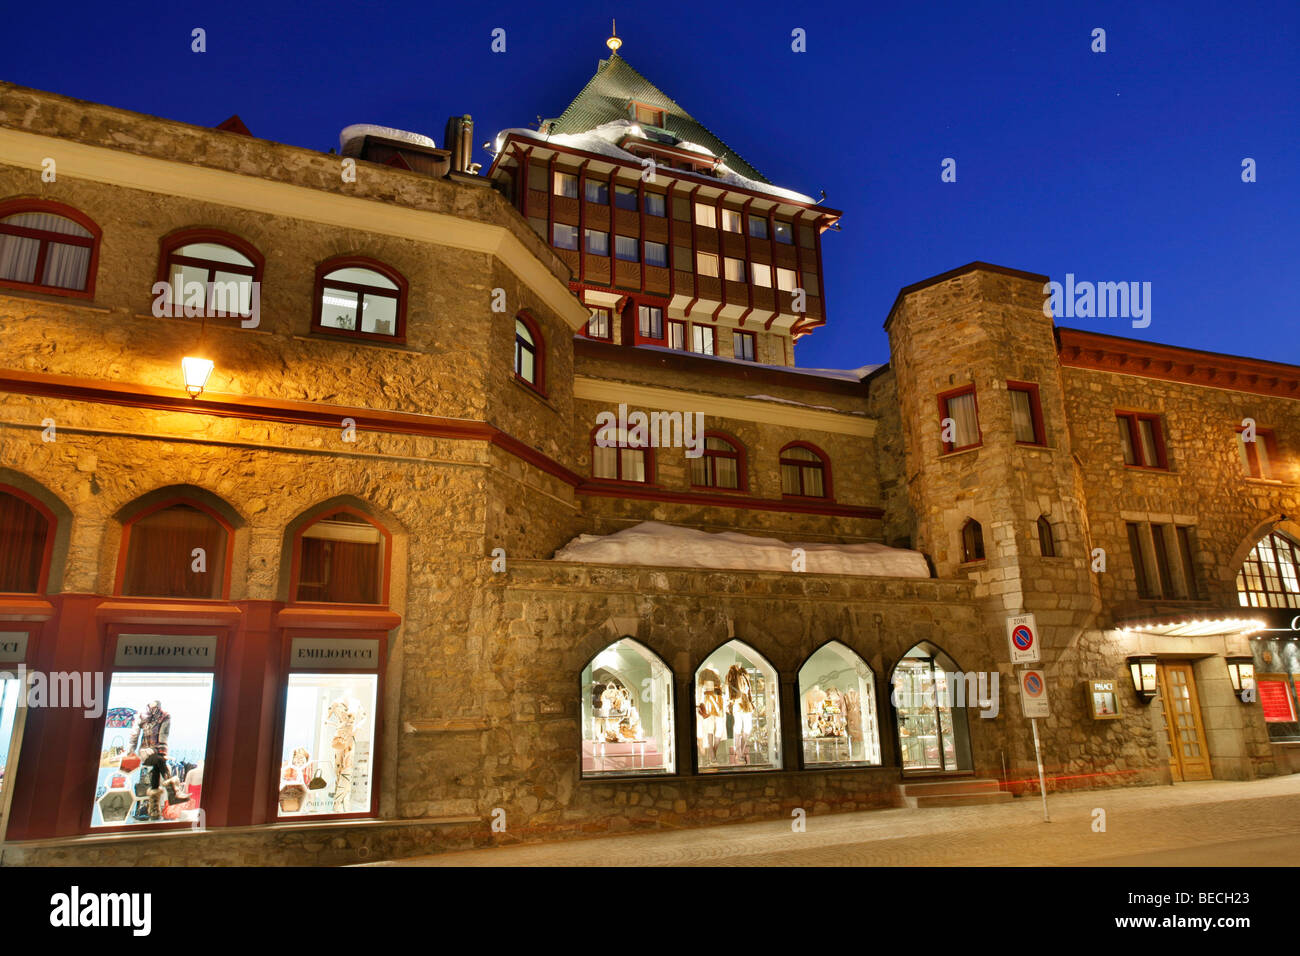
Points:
[654,544]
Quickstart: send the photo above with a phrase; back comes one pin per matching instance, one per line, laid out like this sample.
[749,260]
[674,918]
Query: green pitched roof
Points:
[605,98]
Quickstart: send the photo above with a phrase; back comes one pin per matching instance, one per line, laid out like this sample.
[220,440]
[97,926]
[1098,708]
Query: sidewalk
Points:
[1214,823]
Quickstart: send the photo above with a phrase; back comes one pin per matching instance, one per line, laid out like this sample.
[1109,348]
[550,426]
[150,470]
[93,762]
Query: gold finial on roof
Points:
[614,42]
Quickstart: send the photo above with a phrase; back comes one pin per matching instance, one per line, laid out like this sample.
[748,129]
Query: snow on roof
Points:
[842,374]
[359,130]
[602,139]
[655,544]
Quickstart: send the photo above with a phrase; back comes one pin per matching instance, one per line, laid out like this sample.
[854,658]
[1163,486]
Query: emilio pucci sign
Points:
[171,651]
[315,653]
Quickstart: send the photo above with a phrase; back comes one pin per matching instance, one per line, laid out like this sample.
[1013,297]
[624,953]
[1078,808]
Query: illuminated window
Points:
[959,425]
[47,247]
[360,298]
[730,220]
[837,695]
[706,215]
[706,264]
[735,269]
[742,345]
[627,712]
[530,352]
[721,466]
[1142,440]
[566,184]
[564,236]
[209,273]
[616,459]
[327,756]
[1270,575]
[803,472]
[737,711]
[1258,457]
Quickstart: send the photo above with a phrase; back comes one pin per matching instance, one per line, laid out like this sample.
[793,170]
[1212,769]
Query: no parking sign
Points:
[1033,694]
[1022,639]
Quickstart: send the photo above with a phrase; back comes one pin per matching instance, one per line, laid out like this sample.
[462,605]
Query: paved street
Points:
[1215,823]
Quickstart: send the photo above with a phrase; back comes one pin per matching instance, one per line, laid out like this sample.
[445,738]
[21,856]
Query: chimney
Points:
[459,141]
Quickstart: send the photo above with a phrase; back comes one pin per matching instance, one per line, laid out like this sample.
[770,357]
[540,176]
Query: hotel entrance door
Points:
[1189,757]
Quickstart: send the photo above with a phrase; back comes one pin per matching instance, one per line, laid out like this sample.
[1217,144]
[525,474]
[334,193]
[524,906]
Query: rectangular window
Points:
[706,264]
[735,269]
[1141,558]
[598,191]
[566,184]
[1026,413]
[1142,440]
[329,737]
[648,115]
[625,198]
[655,205]
[598,325]
[564,236]
[742,345]
[785,279]
[960,427]
[702,339]
[784,233]
[597,242]
[706,216]
[676,335]
[656,254]
[134,727]
[762,273]
[757,227]
[625,248]
[1257,456]
[1163,560]
[650,322]
[730,220]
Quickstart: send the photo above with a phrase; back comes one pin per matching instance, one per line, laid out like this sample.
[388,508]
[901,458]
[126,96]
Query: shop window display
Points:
[838,708]
[627,712]
[932,733]
[10,688]
[329,735]
[737,714]
[155,741]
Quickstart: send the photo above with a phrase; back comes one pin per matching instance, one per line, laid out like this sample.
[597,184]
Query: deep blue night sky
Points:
[1117,166]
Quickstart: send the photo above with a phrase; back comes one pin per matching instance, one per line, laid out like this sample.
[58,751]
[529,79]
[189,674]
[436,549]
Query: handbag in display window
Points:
[115,805]
[130,762]
[317,782]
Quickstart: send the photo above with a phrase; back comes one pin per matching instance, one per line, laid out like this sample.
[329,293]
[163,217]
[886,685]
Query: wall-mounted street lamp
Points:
[1241,671]
[196,372]
[1143,671]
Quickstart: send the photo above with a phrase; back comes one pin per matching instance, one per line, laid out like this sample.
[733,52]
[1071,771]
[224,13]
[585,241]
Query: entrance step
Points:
[965,792]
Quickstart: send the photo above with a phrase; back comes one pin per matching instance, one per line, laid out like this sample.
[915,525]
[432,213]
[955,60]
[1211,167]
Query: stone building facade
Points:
[445,432]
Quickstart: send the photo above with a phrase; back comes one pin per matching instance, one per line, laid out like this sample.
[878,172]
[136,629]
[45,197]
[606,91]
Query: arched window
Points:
[361,298]
[530,352]
[722,465]
[627,712]
[1270,575]
[931,697]
[26,536]
[341,558]
[177,549]
[209,270]
[737,713]
[804,471]
[1046,540]
[972,541]
[617,455]
[47,247]
[837,694]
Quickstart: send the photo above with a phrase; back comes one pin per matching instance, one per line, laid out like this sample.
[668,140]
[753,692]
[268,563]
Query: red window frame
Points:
[13,207]
[609,324]
[360,262]
[295,569]
[538,384]
[1135,440]
[641,338]
[656,111]
[647,453]
[944,398]
[825,466]
[737,453]
[1269,438]
[124,550]
[751,338]
[690,342]
[51,527]
[1035,411]
[168,245]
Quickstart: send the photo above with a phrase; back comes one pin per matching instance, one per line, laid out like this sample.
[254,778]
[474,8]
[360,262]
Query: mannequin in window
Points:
[740,699]
[153,726]
[712,722]
[615,700]
[344,716]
